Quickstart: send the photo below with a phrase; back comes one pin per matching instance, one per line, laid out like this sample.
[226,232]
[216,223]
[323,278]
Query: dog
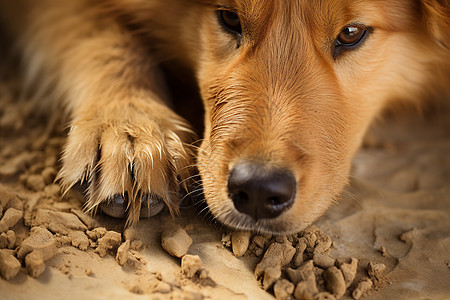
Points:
[288,88]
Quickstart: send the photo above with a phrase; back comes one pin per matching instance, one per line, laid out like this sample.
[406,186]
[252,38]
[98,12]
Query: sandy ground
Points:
[396,212]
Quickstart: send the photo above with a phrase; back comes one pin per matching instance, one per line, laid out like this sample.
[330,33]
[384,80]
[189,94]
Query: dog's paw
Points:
[128,162]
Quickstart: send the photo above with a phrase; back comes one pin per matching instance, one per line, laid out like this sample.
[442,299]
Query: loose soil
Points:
[388,238]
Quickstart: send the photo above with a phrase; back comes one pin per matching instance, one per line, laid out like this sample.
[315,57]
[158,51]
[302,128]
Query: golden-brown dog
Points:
[289,88]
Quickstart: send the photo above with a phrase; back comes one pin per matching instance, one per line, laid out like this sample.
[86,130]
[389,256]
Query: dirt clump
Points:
[176,241]
[283,289]
[79,239]
[58,222]
[110,241]
[35,263]
[335,282]
[240,240]
[10,218]
[7,239]
[190,265]
[301,266]
[39,239]
[362,287]
[9,265]
[122,253]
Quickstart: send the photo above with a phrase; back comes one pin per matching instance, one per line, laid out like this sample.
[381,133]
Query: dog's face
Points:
[289,89]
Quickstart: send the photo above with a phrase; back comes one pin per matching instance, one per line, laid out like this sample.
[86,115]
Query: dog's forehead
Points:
[323,14]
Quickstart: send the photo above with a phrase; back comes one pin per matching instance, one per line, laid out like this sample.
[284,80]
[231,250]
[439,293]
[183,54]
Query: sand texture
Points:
[389,237]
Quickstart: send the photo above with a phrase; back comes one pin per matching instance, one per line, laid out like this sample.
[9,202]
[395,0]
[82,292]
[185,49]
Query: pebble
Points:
[176,241]
[349,271]
[271,275]
[375,271]
[362,288]
[306,289]
[34,262]
[283,289]
[323,261]
[79,239]
[96,233]
[122,253]
[240,241]
[9,265]
[276,255]
[302,273]
[109,241]
[60,222]
[8,239]
[335,282]
[39,239]
[10,218]
[190,265]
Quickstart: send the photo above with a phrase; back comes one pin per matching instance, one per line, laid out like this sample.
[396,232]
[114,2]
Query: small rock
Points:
[176,241]
[299,250]
[10,218]
[240,241]
[11,238]
[276,255]
[375,271]
[96,233]
[56,221]
[122,253]
[362,288]
[323,243]
[39,239]
[109,241]
[79,239]
[34,262]
[349,271]
[9,265]
[226,239]
[306,289]
[323,261]
[283,289]
[271,275]
[302,273]
[3,241]
[203,274]
[190,264]
[335,282]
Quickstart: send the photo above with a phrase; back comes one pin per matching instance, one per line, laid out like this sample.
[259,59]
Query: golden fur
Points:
[276,96]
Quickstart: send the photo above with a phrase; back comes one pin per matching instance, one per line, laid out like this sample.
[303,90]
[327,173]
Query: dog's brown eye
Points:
[350,35]
[230,21]
[349,38]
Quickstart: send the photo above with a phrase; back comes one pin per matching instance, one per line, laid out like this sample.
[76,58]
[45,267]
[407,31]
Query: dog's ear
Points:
[436,14]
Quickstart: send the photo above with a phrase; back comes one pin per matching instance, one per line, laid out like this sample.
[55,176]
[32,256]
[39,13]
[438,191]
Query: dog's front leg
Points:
[124,143]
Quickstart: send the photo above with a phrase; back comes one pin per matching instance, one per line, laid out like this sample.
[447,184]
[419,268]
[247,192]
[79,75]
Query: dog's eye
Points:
[349,38]
[230,21]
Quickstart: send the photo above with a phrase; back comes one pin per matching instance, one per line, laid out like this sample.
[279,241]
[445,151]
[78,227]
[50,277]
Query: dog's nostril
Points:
[261,192]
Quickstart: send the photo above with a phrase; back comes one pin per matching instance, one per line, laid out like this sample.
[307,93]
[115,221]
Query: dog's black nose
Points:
[261,192]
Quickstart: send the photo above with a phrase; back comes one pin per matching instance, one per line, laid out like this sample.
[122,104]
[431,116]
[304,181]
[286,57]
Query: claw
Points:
[117,206]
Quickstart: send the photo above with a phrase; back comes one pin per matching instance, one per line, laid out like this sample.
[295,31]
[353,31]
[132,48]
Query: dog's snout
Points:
[261,192]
